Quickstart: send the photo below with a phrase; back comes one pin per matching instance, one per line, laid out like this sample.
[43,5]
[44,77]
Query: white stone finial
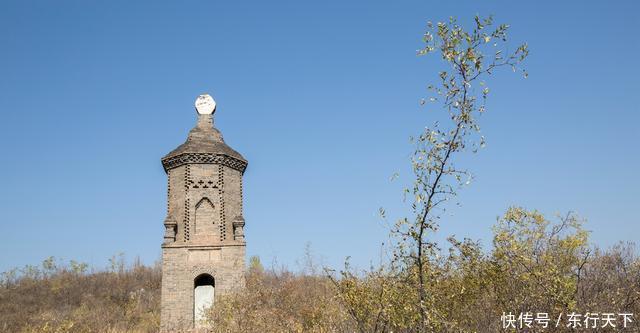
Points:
[205,104]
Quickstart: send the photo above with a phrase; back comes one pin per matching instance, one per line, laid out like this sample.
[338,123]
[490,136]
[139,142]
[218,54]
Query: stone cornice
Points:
[191,246]
[203,158]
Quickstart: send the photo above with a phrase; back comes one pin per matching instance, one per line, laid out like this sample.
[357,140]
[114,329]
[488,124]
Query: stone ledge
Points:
[203,158]
[180,245]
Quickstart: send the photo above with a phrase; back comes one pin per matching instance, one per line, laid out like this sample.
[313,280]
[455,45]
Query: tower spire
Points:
[204,143]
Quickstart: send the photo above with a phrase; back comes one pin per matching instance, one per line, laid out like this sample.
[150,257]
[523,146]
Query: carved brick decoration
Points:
[203,158]
[204,225]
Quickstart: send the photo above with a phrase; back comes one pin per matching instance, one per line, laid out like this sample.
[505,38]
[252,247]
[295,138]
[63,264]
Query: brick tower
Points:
[204,248]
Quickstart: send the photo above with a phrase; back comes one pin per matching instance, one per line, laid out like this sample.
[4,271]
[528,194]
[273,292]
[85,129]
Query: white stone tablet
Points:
[205,104]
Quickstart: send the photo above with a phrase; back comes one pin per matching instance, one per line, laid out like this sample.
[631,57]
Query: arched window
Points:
[205,218]
[203,295]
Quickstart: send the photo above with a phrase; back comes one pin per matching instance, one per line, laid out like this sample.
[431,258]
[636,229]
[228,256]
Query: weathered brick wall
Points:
[207,248]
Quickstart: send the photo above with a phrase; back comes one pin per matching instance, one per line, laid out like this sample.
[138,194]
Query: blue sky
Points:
[321,98]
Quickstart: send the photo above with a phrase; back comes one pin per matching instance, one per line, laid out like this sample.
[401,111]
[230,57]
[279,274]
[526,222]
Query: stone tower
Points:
[204,248]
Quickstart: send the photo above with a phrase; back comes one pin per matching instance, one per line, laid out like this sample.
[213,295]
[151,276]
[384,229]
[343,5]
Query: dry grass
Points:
[68,299]
[282,301]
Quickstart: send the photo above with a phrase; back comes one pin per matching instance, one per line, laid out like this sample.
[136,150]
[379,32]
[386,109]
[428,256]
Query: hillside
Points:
[67,298]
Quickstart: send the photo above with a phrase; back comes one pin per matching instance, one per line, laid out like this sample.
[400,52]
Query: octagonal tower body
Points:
[203,251]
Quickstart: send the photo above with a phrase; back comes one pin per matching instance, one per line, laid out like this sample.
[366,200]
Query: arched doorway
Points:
[203,296]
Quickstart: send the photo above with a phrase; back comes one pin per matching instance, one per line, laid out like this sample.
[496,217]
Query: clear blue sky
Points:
[321,98]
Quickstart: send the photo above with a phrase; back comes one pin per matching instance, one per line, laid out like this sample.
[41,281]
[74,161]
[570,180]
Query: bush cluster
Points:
[534,265]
